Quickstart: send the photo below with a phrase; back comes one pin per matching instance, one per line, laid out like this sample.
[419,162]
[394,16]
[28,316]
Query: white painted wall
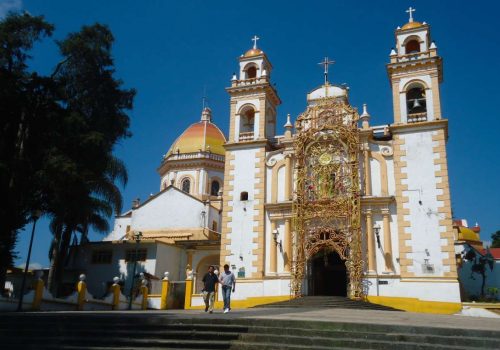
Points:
[444,291]
[171,209]
[281,184]
[423,204]
[169,258]
[119,230]
[376,180]
[242,227]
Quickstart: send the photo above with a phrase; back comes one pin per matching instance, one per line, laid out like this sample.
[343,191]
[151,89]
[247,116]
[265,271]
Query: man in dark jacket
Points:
[209,281]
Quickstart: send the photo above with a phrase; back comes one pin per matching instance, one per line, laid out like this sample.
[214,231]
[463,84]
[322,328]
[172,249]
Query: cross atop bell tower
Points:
[254,39]
[410,12]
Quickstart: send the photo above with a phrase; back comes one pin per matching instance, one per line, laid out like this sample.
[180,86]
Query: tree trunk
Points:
[61,259]
[51,280]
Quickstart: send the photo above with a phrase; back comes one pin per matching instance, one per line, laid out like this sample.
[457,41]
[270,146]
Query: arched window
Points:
[214,188]
[243,196]
[186,185]
[247,118]
[251,72]
[412,46]
[415,100]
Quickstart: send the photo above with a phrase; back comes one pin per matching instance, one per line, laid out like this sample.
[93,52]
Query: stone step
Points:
[326,301]
[171,331]
[112,342]
[231,332]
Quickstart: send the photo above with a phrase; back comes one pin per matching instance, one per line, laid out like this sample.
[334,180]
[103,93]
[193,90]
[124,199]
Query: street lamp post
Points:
[376,230]
[137,237]
[35,215]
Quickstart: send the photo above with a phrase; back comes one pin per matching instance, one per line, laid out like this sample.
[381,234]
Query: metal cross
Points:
[410,11]
[326,62]
[254,39]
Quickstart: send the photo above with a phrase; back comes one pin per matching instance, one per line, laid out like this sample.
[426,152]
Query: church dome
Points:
[201,136]
[253,52]
[411,25]
[327,91]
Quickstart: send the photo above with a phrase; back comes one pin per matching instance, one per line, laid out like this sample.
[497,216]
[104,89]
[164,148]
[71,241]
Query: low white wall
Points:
[443,291]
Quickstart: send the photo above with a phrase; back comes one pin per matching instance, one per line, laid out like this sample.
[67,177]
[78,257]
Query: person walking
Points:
[228,282]
[209,281]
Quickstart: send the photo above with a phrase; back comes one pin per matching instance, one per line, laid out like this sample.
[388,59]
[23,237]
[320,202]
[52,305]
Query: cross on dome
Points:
[254,39]
[410,11]
[326,62]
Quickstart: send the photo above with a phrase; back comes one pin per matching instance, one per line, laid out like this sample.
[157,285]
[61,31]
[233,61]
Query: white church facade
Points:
[337,205]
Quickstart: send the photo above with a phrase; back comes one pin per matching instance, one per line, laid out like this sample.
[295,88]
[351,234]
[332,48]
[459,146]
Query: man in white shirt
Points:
[228,282]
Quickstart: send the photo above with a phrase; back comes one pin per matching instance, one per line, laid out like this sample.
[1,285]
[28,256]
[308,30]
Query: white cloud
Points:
[9,5]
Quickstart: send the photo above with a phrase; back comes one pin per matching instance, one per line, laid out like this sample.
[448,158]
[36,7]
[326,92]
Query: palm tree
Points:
[102,199]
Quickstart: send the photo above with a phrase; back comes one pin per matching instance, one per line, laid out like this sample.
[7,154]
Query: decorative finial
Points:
[204,98]
[254,39]
[365,117]
[234,78]
[288,122]
[410,11]
[326,62]
[206,114]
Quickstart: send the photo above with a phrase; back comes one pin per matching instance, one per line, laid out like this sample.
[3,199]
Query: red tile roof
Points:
[494,251]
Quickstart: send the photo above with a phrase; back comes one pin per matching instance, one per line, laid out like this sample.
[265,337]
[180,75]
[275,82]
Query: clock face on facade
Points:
[325,158]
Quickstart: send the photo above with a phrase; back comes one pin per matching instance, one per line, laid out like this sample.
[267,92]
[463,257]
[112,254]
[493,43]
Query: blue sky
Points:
[170,51]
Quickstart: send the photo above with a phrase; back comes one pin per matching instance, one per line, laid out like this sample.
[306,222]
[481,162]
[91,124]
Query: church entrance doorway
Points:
[327,274]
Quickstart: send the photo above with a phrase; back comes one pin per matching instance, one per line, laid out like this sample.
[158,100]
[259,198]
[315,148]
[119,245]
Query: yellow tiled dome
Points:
[202,136]
[253,52]
[411,25]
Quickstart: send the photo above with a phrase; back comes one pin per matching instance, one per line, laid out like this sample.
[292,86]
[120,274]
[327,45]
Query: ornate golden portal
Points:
[326,207]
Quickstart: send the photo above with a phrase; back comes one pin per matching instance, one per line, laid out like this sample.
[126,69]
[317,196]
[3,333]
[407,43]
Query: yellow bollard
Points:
[82,291]
[144,292]
[164,292]
[189,290]
[115,288]
[37,300]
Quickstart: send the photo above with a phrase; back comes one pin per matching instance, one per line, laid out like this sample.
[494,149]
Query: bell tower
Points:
[252,131]
[253,98]
[415,72]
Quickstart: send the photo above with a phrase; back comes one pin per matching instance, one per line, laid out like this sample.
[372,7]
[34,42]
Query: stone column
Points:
[288,177]
[368,173]
[273,253]
[371,242]
[387,241]
[288,245]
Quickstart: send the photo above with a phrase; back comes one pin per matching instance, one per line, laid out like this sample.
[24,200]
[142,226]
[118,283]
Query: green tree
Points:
[95,120]
[495,240]
[79,112]
[26,103]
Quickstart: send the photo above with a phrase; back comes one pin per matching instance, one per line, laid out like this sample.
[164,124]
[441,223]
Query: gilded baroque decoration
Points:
[326,205]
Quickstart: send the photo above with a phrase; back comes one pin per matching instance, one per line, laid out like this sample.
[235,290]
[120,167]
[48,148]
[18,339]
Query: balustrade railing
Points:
[246,136]
[417,117]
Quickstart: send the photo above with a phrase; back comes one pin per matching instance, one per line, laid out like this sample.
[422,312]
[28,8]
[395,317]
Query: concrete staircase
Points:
[327,302]
[115,330]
